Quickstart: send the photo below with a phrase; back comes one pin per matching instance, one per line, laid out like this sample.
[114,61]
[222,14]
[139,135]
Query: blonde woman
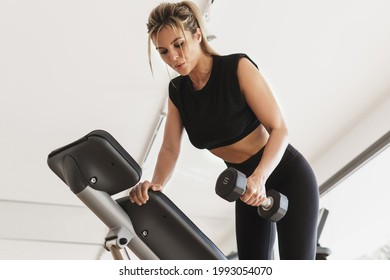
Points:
[226,106]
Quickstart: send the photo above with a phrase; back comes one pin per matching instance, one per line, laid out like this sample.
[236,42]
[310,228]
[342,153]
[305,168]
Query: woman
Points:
[226,106]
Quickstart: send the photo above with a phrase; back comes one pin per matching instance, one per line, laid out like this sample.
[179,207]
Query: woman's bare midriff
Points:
[245,148]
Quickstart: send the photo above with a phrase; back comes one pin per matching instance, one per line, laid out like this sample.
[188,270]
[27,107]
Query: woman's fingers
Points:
[143,194]
[139,193]
[157,187]
[253,195]
[136,194]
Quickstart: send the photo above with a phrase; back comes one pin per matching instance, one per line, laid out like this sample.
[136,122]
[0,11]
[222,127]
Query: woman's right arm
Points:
[166,160]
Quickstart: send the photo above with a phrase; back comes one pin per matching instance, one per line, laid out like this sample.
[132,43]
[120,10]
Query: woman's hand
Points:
[139,193]
[255,193]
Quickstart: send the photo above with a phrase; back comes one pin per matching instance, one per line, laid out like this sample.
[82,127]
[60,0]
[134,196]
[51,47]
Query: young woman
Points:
[226,106]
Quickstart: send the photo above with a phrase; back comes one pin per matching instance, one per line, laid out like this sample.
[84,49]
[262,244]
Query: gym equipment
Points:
[231,185]
[322,252]
[95,168]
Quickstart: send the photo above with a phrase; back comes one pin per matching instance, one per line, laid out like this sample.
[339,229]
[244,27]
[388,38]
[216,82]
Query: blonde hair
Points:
[183,15]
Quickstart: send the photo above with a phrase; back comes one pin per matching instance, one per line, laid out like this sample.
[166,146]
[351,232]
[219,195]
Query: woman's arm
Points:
[260,99]
[166,160]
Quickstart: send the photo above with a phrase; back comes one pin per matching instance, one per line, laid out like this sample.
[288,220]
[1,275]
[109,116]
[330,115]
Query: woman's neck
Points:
[201,73]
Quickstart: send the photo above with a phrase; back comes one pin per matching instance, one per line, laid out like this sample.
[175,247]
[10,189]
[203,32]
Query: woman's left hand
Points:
[255,191]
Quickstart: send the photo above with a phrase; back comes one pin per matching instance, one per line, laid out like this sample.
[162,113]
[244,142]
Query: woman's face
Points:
[179,52]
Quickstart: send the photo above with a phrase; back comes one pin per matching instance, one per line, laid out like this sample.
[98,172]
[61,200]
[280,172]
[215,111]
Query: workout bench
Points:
[95,168]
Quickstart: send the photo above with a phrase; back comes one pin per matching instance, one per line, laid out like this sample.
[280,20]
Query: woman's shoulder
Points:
[232,59]
[177,82]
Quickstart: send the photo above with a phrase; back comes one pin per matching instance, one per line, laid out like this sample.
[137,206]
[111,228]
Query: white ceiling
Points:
[69,67]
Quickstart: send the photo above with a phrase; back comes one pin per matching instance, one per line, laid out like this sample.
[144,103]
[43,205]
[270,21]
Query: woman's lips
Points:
[180,66]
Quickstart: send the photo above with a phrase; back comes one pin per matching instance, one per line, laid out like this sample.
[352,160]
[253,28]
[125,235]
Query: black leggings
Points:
[297,230]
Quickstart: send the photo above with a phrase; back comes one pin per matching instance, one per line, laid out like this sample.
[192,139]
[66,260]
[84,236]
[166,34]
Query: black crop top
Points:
[217,115]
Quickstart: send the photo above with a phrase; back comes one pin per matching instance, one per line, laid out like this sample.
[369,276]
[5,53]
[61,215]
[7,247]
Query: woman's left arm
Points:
[261,100]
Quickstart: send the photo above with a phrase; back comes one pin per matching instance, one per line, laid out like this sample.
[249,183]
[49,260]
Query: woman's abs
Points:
[245,148]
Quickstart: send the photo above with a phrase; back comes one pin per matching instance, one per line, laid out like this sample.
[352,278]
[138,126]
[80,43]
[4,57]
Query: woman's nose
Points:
[174,55]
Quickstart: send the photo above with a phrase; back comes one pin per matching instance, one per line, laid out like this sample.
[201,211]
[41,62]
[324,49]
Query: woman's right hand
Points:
[139,193]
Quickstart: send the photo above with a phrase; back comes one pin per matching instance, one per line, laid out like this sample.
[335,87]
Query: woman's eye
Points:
[178,45]
[163,52]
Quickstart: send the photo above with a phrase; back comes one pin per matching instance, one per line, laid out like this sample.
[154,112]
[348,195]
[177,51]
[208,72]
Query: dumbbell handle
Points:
[267,203]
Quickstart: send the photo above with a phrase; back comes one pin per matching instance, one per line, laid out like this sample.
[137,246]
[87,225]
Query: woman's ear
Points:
[198,35]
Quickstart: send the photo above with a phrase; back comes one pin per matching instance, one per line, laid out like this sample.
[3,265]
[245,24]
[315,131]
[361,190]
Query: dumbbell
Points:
[231,185]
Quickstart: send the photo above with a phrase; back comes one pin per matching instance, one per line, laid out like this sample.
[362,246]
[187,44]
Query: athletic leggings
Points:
[297,230]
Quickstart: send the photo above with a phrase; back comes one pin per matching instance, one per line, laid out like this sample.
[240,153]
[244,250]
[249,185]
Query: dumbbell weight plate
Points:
[278,209]
[231,184]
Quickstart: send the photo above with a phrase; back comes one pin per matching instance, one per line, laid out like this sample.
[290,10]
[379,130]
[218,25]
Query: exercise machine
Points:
[322,252]
[95,168]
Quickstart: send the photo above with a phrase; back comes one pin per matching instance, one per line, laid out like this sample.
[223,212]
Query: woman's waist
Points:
[244,149]
[249,165]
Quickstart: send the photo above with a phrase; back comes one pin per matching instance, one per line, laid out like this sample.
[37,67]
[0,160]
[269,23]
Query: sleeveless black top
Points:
[217,115]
